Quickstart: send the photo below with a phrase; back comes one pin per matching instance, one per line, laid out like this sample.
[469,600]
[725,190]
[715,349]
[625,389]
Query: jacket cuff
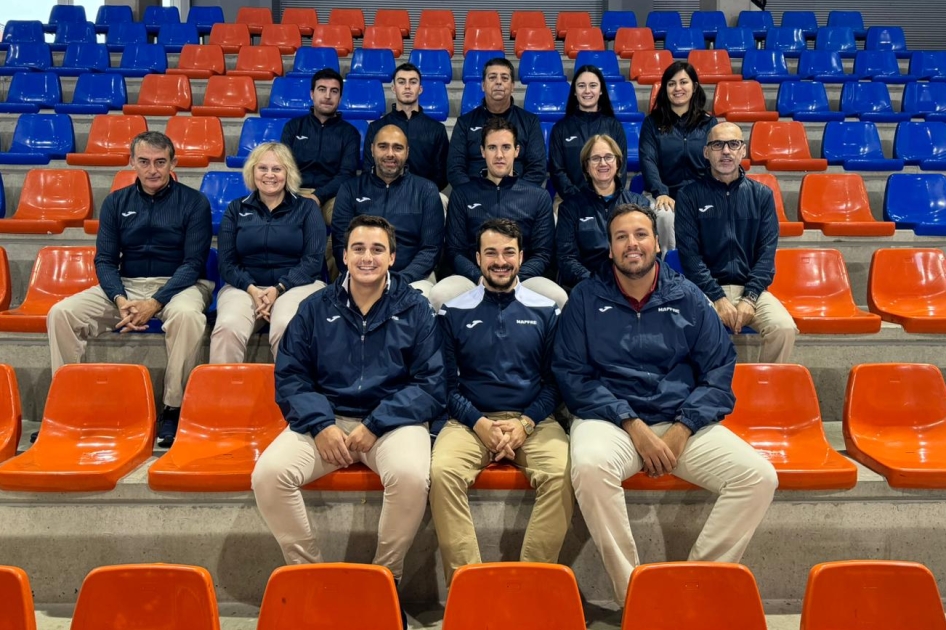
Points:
[314,429]
[470,417]
[373,425]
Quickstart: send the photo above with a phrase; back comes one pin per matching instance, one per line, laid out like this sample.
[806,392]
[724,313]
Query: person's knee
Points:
[407,477]
[590,466]
[184,318]
[271,475]
[445,474]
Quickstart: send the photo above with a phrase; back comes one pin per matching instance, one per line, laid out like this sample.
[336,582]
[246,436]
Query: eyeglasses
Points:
[717,145]
[607,158]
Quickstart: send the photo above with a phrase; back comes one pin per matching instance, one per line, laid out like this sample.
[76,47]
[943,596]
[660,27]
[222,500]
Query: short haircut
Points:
[407,66]
[154,139]
[506,227]
[371,221]
[499,61]
[627,208]
[283,156]
[604,101]
[585,155]
[328,73]
[498,123]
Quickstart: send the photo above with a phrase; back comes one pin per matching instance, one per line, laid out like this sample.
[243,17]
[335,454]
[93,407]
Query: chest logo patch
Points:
[332,318]
[475,128]
[128,214]
[474,323]
[302,137]
[586,219]
[474,206]
[705,208]
[605,309]
[570,138]
[245,214]
[362,199]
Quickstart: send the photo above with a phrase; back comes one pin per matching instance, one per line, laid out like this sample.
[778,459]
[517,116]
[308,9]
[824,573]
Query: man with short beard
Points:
[645,366]
[500,399]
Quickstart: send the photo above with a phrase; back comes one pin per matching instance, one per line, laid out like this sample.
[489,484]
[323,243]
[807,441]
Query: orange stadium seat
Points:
[109,141]
[198,140]
[713,66]
[433,38]
[11,416]
[908,287]
[388,37]
[51,200]
[538,39]
[506,584]
[260,63]
[228,97]
[525,19]
[354,19]
[785,227]
[97,427]
[337,36]
[255,18]
[814,287]
[741,101]
[485,38]
[162,95]
[630,40]
[6,286]
[647,66]
[230,37]
[783,146]
[57,273]
[571,19]
[719,596]
[876,593]
[579,39]
[17,598]
[286,37]
[837,204]
[147,596]
[90,226]
[394,17]
[438,18]
[305,19]
[346,595]
[200,61]
[482,19]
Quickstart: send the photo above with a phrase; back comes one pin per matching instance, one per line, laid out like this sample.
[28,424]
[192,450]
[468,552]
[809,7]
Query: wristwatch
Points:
[280,289]
[527,426]
[751,297]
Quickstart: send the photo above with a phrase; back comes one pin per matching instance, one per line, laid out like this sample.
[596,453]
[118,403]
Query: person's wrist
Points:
[751,297]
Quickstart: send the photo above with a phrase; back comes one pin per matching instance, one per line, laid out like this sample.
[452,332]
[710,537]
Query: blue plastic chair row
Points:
[39,138]
[137,59]
[547,100]
[808,101]
[770,66]
[917,202]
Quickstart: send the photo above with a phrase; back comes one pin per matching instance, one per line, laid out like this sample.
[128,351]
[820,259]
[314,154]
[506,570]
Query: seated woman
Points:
[271,246]
[581,236]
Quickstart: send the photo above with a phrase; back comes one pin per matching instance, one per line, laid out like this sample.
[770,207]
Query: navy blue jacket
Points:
[412,205]
[465,160]
[671,160]
[497,348]
[480,199]
[672,362]
[153,236]
[386,368]
[727,234]
[326,154]
[426,140]
[265,248]
[566,141]
[582,246]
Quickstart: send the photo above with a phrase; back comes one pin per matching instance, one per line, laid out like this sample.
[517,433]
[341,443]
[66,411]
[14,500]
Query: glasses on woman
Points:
[717,145]
[607,158]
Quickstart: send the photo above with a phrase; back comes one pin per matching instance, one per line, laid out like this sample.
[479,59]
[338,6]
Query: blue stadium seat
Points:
[363,98]
[157,16]
[96,93]
[73,33]
[39,138]
[308,61]
[791,41]
[30,92]
[25,57]
[857,146]
[921,144]
[174,36]
[433,64]
[824,66]
[925,99]
[624,101]
[917,202]
[124,34]
[806,101]
[220,188]
[362,127]
[372,63]
[659,22]
[838,39]
[672,258]
[64,13]
[474,61]
[546,133]
[888,38]
[472,96]
[109,14]
[204,18]
[3,200]
[22,32]
[255,131]
[141,59]
[611,21]
[632,130]
[929,65]
[604,60]
[288,98]
[879,65]
[80,58]
[710,22]
[869,100]
[735,40]
[547,100]
[541,65]
[434,99]
[805,20]
[760,22]
[766,66]
[680,41]
[851,19]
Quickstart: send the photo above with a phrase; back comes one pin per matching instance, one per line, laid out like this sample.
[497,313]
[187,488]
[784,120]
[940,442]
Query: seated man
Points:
[498,194]
[151,257]
[500,397]
[410,203]
[645,366]
[358,377]
[727,233]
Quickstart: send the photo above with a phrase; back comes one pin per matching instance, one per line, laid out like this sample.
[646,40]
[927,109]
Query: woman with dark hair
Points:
[674,134]
[588,112]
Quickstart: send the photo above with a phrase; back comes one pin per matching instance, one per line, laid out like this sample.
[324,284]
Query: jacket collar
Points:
[401,114]
[161,194]
[504,114]
[253,201]
[380,183]
[736,183]
[506,182]
[669,287]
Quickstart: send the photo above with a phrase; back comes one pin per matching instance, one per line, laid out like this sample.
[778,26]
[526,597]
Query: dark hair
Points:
[371,221]
[328,73]
[627,208]
[663,114]
[407,66]
[499,61]
[154,139]
[506,227]
[604,102]
[498,123]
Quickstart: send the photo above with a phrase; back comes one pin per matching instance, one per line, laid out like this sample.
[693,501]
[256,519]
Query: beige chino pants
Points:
[773,323]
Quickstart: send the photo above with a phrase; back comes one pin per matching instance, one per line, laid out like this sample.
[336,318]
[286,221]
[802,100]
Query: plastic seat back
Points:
[583,39]
[917,202]
[162,95]
[399,18]
[289,97]
[647,66]
[720,596]
[760,22]
[50,201]
[200,61]
[22,31]
[766,66]
[147,596]
[929,65]
[535,39]
[925,99]
[710,22]
[783,146]
[6,287]
[231,37]
[110,15]
[255,18]
[372,64]
[11,416]
[83,57]
[124,33]
[73,33]
[109,141]
[474,63]
[851,19]
[624,101]
[632,131]
[567,20]
[220,188]
[175,36]
[908,287]
[435,38]
[141,59]
[256,131]
[64,13]
[921,143]
[560,607]
[888,38]
[807,21]
[547,100]
[433,64]
[713,66]
[260,63]
[57,273]
[309,60]
[305,18]
[631,39]
[527,19]
[659,22]
[806,101]
[481,19]
[353,19]
[680,41]
[285,37]
[741,101]
[26,56]
[228,96]
[485,38]
[39,138]
[823,65]
[736,41]
[384,37]
[869,100]
[857,146]
[785,227]
[198,140]
[96,93]
[839,39]
[205,17]
[472,97]
[838,205]
[337,36]
[157,16]
[434,99]
[879,65]
[438,18]
[30,92]
[363,98]
[17,597]
[604,60]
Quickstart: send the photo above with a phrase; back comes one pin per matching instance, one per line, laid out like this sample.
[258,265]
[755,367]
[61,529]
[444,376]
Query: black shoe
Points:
[33,436]
[167,426]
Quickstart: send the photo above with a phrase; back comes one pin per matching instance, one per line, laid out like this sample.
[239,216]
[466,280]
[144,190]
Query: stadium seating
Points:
[6,287]
[485,38]
[109,141]
[624,101]
[908,287]
[10,412]
[534,39]
[713,66]
[893,423]
[309,60]
[878,65]
[228,97]
[814,287]
[851,19]
[472,97]
[917,202]
[198,140]
[204,17]
[605,60]
[760,22]
[220,188]
[175,36]
[921,144]
[766,66]
[22,32]
[888,38]
[256,131]
[364,99]
[232,37]
[474,62]
[804,20]
[139,60]
[782,146]
[824,66]
[73,33]
[200,61]
[741,101]
[659,22]
[680,41]
[438,18]
[613,21]
[162,95]
[109,15]
[434,64]
[285,37]
[384,37]
[434,99]
[839,39]
[354,19]
[632,131]
[925,99]
[64,13]
[559,607]
[806,101]
[785,227]
[525,19]
[81,58]
[376,64]
[25,57]
[30,92]
[857,146]
[547,100]
[929,65]
[400,18]
[482,19]
[737,41]
[647,66]
[255,18]
[17,596]
[125,33]
[630,40]
[50,201]
[260,63]
[583,39]
[157,16]
[710,22]
[39,138]
[790,41]
[143,595]
[435,38]
[567,20]
[305,18]
[288,98]
[870,101]
[837,204]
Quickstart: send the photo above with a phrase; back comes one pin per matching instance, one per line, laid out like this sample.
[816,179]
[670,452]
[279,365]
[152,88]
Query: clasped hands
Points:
[734,316]
[135,314]
[659,453]
[263,299]
[336,448]
[501,437]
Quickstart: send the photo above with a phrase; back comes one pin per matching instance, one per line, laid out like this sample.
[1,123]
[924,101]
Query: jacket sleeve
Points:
[231,271]
[424,396]
[763,271]
[431,238]
[342,215]
[548,398]
[347,167]
[367,160]
[313,255]
[303,406]
[558,170]
[648,149]
[542,242]
[456,239]
[566,244]
[441,150]
[534,163]
[687,229]
[458,405]
[456,156]
[108,250]
[198,233]
[585,395]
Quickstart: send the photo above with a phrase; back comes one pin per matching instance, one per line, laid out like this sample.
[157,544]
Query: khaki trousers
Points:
[236,320]
[91,313]
[401,457]
[773,323]
[456,285]
[602,456]
[458,458]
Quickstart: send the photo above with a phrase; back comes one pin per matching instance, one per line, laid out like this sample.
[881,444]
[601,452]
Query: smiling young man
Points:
[645,366]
